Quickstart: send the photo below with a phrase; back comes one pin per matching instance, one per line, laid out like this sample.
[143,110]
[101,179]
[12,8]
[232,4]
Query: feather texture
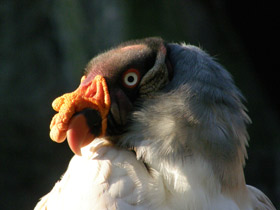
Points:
[106,177]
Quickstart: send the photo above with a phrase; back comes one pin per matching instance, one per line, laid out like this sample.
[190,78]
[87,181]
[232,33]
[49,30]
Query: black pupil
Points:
[130,79]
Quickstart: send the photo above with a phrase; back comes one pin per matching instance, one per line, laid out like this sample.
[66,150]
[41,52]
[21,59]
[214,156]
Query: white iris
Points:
[130,78]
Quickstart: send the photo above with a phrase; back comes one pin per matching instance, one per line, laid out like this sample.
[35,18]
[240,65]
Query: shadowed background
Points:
[44,46]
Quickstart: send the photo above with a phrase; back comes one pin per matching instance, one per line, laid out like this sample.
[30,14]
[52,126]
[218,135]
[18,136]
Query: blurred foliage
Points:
[44,46]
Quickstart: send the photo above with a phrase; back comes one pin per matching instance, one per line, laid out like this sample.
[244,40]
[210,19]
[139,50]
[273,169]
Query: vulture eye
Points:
[131,78]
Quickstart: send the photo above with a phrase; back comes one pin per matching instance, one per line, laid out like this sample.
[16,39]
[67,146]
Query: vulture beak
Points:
[91,95]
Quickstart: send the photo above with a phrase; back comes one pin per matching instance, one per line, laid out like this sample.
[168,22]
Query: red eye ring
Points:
[131,78]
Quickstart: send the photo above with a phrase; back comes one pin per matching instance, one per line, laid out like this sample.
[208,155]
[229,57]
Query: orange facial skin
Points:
[94,95]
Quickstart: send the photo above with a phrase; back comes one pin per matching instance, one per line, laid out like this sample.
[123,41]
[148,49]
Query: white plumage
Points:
[104,178]
[110,178]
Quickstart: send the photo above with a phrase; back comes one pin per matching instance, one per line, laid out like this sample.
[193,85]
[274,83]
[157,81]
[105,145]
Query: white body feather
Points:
[106,177]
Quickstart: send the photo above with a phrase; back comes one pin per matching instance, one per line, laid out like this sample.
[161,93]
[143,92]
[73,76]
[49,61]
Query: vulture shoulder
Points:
[259,200]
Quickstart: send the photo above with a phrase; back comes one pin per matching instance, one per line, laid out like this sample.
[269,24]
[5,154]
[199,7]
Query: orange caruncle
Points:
[94,95]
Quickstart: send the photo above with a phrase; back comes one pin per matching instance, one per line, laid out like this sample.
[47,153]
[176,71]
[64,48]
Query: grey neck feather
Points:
[199,112]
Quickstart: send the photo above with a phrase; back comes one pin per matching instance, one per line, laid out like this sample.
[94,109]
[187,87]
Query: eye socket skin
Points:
[131,78]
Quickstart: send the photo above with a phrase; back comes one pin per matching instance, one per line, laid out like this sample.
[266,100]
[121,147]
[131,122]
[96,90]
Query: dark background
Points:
[44,46]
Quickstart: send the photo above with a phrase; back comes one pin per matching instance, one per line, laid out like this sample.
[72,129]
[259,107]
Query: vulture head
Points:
[171,104]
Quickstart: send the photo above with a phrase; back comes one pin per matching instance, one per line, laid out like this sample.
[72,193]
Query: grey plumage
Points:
[199,111]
